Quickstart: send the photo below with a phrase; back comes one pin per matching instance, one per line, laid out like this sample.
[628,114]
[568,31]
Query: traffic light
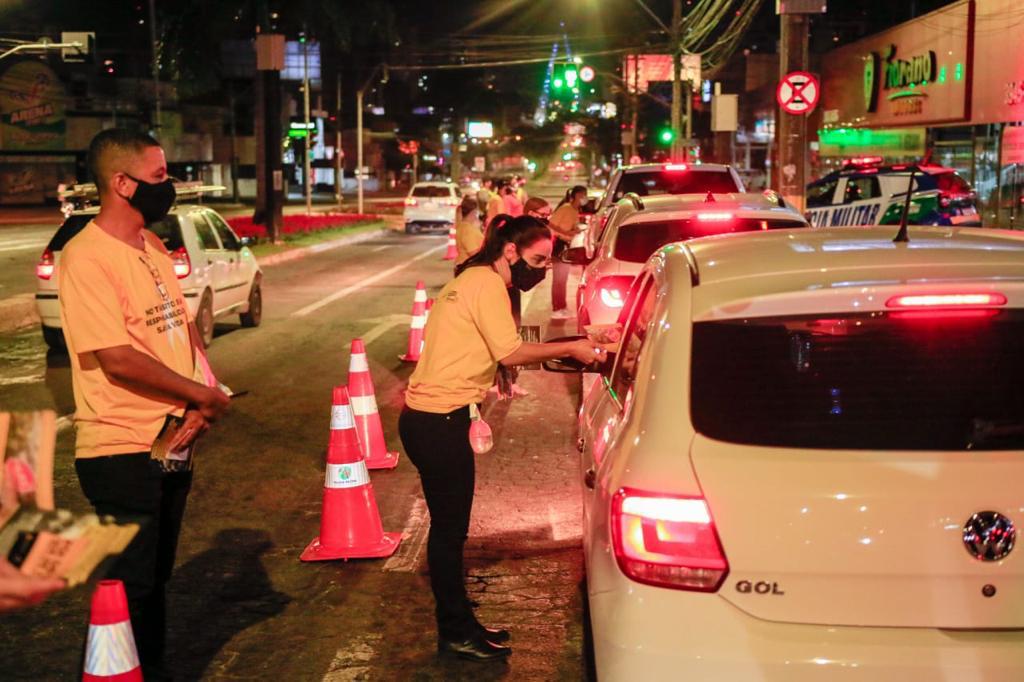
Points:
[666,136]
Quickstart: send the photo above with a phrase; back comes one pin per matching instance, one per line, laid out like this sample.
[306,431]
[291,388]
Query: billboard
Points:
[917,73]
[480,129]
[639,71]
[32,102]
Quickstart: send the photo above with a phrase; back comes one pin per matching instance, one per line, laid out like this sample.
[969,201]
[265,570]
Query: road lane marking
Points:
[384,327]
[23,247]
[342,293]
[382,248]
[409,556]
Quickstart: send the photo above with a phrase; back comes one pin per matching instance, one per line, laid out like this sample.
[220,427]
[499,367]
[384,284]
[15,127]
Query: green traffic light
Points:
[558,83]
[666,136]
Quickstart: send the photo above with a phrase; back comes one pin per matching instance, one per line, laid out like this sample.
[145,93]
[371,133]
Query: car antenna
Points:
[902,236]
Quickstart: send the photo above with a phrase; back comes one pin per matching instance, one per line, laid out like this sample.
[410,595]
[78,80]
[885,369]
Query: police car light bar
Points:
[860,161]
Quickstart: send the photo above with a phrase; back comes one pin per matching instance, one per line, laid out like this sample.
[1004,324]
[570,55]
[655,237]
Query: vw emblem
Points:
[989,536]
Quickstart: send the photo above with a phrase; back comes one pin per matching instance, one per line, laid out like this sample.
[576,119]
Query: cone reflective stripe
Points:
[452,253]
[364,409]
[350,526]
[110,653]
[419,321]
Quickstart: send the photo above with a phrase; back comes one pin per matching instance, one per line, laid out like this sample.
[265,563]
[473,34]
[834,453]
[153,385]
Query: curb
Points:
[295,254]
[17,312]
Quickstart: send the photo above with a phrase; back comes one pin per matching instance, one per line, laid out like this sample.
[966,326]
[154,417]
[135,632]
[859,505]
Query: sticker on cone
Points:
[110,652]
[364,409]
[350,526]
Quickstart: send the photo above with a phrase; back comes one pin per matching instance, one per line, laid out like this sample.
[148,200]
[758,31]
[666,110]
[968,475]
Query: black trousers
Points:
[134,487]
[438,445]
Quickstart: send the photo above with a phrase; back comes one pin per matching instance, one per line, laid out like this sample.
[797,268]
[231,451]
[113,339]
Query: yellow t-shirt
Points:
[495,206]
[469,237]
[564,221]
[469,330]
[109,296]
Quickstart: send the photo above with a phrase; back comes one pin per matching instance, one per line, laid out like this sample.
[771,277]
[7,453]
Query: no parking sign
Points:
[798,93]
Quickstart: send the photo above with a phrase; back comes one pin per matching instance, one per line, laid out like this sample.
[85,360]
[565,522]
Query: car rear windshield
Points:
[431,192]
[916,380]
[636,242]
[649,183]
[167,229]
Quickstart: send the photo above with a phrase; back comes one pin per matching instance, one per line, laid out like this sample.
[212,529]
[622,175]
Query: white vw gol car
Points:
[806,461]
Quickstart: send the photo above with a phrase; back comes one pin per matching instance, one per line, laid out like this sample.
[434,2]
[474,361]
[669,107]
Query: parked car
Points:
[219,275]
[804,461]
[638,227]
[867,192]
[431,206]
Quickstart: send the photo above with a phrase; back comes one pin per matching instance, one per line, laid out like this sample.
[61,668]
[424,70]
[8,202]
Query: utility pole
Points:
[234,142]
[307,147]
[677,78]
[339,169]
[269,62]
[790,169]
[359,131]
[156,63]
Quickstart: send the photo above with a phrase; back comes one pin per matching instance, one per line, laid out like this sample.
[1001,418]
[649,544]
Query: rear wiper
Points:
[985,431]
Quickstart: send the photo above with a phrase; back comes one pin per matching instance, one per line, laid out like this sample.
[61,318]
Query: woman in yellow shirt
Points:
[469,233]
[469,333]
[564,224]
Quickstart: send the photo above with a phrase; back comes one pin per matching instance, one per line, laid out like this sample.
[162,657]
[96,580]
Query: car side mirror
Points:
[576,255]
[246,241]
[572,365]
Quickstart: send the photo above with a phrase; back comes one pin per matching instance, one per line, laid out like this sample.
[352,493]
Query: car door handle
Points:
[590,478]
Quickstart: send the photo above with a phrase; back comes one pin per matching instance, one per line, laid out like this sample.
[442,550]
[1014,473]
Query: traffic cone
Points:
[364,406]
[452,253]
[110,654]
[350,525]
[419,321]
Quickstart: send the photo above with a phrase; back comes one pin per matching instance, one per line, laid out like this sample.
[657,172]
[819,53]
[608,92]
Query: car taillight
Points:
[667,541]
[410,201]
[714,216]
[612,291]
[182,263]
[960,300]
[45,266]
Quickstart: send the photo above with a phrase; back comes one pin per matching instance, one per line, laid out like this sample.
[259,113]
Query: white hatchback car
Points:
[218,273]
[637,227]
[805,462]
[431,206]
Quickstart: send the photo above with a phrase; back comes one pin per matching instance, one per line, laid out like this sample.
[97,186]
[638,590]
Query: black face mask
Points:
[525,276]
[153,199]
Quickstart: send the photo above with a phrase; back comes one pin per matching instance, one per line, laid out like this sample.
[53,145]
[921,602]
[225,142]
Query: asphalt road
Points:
[20,246]
[242,605]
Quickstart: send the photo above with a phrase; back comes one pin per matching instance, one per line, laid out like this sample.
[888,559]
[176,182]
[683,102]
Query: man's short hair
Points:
[108,150]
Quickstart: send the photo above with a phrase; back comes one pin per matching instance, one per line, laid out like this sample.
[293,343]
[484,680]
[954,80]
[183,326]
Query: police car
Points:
[865,192]
[217,272]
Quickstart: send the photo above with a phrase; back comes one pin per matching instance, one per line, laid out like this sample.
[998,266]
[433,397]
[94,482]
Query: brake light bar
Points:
[667,541]
[676,167]
[963,300]
[716,216]
[45,266]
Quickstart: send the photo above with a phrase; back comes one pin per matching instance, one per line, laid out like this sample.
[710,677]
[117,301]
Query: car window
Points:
[862,188]
[207,239]
[636,242]
[891,381]
[227,237]
[632,343]
[821,193]
[431,191]
[654,182]
[169,231]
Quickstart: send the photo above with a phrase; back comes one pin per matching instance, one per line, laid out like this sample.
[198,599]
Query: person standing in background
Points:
[564,225]
[483,195]
[513,207]
[469,233]
[495,205]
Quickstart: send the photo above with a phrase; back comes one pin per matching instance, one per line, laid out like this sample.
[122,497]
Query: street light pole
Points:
[306,148]
[677,78]
[359,131]
[156,61]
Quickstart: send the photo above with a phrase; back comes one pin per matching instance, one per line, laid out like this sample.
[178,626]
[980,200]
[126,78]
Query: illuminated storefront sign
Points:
[892,142]
[999,64]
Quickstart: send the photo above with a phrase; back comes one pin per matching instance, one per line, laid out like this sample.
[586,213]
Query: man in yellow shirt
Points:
[133,352]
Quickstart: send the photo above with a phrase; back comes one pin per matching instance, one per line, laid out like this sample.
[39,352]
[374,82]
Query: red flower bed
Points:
[295,224]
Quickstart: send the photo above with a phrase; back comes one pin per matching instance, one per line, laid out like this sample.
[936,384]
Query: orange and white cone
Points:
[350,525]
[364,407]
[419,321]
[452,253]
[110,654]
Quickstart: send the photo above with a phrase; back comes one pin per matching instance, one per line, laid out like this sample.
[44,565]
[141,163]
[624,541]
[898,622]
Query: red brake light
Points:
[676,167]
[612,297]
[865,161]
[972,300]
[410,201]
[612,291]
[667,541]
[45,266]
[182,263]
[716,216]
